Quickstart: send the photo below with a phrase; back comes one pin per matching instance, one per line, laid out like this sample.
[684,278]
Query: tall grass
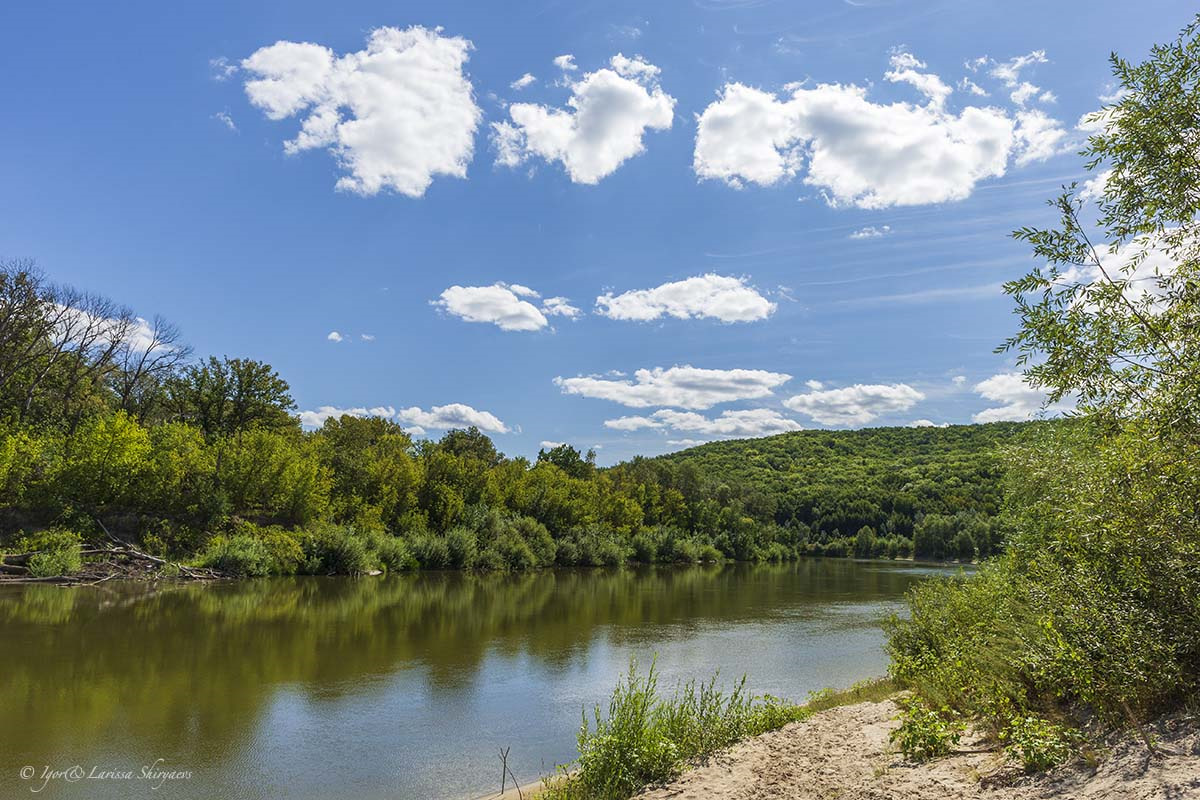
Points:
[646,738]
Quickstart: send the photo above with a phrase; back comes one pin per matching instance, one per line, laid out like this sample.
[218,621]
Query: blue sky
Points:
[145,156]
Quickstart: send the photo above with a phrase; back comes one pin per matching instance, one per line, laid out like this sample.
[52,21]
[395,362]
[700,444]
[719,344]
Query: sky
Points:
[625,226]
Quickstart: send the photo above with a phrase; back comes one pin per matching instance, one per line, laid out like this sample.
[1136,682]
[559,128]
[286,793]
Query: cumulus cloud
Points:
[859,152]
[315,419]
[334,336]
[1018,400]
[959,380]
[602,127]
[715,296]
[560,306]
[728,425]
[454,415]
[565,62]
[906,69]
[871,232]
[1039,137]
[501,304]
[678,386]
[395,114]
[854,405]
[523,81]
[927,423]
[548,445]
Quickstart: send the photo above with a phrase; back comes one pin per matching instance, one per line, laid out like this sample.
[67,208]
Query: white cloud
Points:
[715,296]
[454,415]
[1093,188]
[395,114]
[548,445]
[728,425]
[678,386]
[959,380]
[222,70]
[523,81]
[334,336]
[560,306]
[905,69]
[1018,400]
[1009,72]
[226,120]
[367,337]
[1039,137]
[927,423]
[862,153]
[501,305]
[855,405]
[315,419]
[686,442]
[565,62]
[608,113]
[968,85]
[871,232]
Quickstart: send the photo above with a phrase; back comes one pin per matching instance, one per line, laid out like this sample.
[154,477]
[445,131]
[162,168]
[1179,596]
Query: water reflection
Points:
[400,678]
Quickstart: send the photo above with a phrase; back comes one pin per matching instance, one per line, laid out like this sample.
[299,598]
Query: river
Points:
[394,687]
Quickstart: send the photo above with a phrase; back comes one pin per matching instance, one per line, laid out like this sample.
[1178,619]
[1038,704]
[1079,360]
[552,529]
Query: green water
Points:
[398,687]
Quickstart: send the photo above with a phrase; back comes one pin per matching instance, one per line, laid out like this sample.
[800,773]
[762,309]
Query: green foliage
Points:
[925,733]
[644,738]
[1038,743]
[335,550]
[56,552]
[1094,611]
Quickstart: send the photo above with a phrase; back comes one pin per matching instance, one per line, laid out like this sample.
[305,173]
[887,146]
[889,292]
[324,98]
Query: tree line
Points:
[108,419]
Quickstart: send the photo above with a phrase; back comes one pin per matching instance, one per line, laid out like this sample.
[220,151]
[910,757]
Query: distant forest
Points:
[108,423]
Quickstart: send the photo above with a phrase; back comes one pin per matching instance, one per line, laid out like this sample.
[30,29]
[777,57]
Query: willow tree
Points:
[1112,317]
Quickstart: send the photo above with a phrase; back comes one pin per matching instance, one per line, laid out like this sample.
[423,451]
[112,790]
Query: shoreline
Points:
[844,753]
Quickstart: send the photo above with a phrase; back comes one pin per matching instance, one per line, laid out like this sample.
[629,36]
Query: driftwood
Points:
[120,559]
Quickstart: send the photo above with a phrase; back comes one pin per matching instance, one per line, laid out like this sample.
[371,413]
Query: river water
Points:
[396,687]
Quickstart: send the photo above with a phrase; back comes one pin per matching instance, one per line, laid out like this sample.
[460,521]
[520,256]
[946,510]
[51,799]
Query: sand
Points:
[844,754]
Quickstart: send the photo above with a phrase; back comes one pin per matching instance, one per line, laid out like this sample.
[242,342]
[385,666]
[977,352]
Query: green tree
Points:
[232,395]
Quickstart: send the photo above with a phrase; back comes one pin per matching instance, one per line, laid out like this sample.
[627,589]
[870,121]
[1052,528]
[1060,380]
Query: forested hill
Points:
[888,479]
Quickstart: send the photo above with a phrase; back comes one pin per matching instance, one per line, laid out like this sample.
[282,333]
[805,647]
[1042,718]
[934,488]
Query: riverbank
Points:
[844,753]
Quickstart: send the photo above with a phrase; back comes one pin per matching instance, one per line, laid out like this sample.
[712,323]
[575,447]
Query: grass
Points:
[646,738]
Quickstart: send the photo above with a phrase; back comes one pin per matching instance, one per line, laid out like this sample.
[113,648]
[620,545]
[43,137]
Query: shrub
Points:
[1038,743]
[924,733]
[57,552]
[463,548]
[431,551]
[241,554]
[391,552]
[645,548]
[335,550]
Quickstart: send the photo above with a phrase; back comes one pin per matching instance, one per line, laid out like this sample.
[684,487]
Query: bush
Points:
[1038,743]
[431,551]
[335,550]
[241,555]
[57,552]
[645,548]
[924,733]
[391,552]
[463,548]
